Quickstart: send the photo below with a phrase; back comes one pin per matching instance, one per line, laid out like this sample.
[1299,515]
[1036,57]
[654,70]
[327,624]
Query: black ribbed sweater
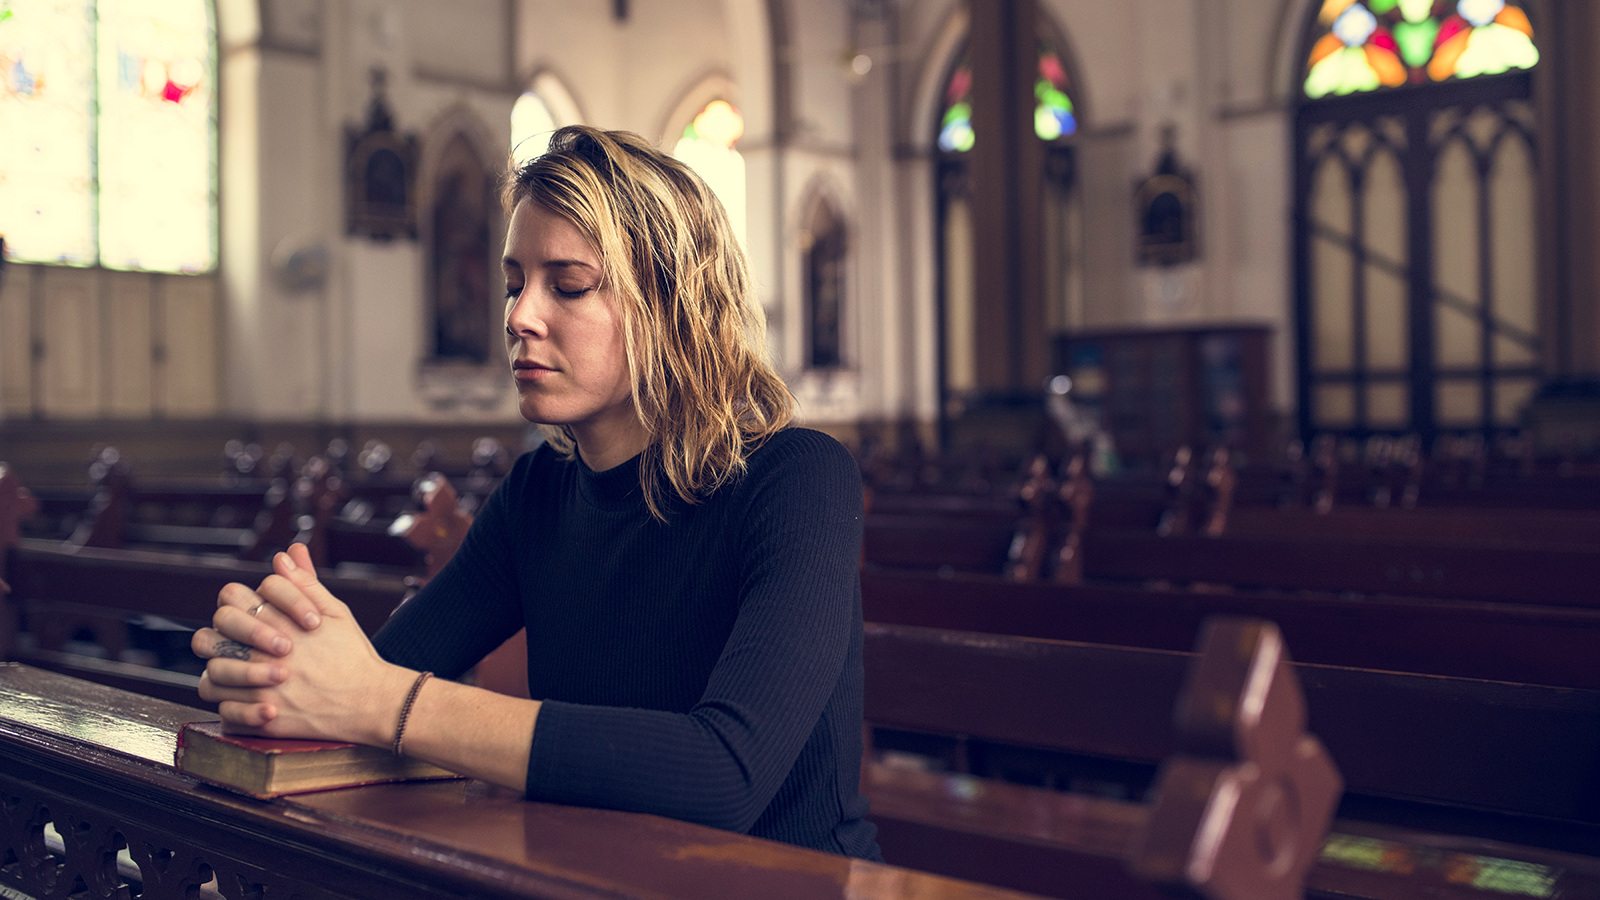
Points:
[707,668]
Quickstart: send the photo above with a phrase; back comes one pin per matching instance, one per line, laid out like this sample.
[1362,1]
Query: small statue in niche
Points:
[1165,209]
[380,173]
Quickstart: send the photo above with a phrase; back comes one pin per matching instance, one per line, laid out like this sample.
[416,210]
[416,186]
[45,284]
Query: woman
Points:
[684,563]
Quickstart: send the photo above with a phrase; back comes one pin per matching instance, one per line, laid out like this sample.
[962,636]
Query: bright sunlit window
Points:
[108,108]
[707,146]
[531,125]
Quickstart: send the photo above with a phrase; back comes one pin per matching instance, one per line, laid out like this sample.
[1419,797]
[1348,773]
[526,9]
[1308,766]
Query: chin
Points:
[542,414]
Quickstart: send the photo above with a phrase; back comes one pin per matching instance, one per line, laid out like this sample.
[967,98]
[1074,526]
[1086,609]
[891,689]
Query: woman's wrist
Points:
[383,721]
[405,713]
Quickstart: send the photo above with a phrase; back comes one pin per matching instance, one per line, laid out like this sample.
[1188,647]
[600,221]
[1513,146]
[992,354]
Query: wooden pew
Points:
[60,591]
[1493,641]
[343,521]
[86,771]
[1272,553]
[1239,750]
[1494,766]
[1416,568]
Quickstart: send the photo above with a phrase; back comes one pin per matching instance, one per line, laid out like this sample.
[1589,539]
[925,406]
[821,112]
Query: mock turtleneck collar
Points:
[615,488]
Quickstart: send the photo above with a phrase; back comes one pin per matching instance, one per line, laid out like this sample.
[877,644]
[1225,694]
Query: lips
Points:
[528,370]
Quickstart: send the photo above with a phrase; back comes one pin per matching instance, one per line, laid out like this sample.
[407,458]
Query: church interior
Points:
[1143,320]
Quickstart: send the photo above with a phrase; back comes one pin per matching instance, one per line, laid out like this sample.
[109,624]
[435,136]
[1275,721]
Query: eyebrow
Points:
[508,262]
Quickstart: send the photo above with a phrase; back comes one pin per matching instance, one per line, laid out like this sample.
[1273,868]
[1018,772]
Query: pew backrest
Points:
[1546,576]
[1553,646]
[1518,750]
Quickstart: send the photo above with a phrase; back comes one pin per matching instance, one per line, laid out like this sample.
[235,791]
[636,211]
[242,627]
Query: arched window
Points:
[1415,155]
[1054,122]
[708,147]
[109,107]
[531,125]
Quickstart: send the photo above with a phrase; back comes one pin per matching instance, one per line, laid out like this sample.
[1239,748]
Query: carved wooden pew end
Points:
[1241,811]
[1240,805]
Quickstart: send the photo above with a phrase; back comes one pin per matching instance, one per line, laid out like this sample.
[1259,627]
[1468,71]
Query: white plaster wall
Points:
[287,331]
[823,38]
[462,39]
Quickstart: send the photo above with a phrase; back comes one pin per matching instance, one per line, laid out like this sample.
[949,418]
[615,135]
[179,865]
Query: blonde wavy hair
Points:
[694,336]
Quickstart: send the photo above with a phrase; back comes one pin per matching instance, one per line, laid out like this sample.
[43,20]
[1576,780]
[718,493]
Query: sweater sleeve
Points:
[472,606]
[798,534]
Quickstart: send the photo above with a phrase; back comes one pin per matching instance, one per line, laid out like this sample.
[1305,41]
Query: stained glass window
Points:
[115,104]
[156,161]
[47,117]
[531,125]
[1370,44]
[1052,113]
[707,146]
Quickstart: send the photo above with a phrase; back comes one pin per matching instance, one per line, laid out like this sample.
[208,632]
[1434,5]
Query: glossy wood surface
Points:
[95,761]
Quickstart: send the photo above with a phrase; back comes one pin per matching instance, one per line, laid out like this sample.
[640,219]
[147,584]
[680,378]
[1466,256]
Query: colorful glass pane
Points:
[1053,115]
[46,117]
[955,126]
[157,164]
[707,146]
[531,125]
[1370,44]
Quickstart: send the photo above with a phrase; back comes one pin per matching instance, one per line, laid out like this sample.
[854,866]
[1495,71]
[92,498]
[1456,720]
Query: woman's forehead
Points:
[541,237]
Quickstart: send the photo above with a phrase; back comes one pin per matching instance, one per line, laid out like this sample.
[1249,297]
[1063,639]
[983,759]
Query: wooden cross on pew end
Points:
[1240,808]
[440,528]
[1241,811]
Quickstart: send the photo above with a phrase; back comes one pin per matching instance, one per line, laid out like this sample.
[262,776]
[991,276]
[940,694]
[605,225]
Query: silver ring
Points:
[256,610]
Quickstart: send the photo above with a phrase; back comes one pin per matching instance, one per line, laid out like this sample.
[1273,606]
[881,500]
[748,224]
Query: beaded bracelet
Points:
[405,712]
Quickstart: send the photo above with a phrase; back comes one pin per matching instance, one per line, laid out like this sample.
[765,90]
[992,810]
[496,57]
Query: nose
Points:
[523,317]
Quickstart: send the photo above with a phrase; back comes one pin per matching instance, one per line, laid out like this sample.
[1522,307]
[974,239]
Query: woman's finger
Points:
[231,672]
[203,640]
[296,566]
[235,713]
[288,597]
[209,643]
[238,624]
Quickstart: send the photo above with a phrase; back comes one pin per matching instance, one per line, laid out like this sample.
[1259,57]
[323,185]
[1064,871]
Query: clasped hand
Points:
[288,660]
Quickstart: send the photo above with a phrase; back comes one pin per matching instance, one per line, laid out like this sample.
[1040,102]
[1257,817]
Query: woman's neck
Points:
[603,448]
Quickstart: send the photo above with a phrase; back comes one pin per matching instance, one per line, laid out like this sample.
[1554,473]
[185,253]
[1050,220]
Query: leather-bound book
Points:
[268,767]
